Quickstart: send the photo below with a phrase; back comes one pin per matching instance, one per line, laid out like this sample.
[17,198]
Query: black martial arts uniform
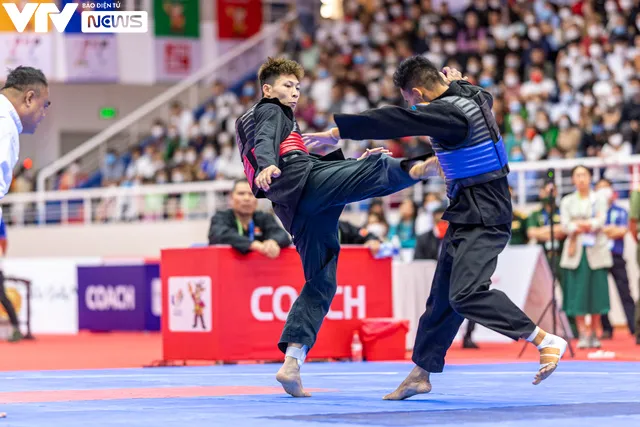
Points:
[225,229]
[309,197]
[466,140]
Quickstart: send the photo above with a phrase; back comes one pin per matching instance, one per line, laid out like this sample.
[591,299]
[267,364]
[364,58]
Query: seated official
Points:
[246,229]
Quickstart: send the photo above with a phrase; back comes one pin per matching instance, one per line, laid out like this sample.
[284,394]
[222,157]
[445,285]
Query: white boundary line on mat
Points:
[176,375]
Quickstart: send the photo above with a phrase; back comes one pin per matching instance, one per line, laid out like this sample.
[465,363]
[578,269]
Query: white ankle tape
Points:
[297,353]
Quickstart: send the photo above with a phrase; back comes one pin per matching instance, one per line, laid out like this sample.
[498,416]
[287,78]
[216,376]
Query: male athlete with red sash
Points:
[308,193]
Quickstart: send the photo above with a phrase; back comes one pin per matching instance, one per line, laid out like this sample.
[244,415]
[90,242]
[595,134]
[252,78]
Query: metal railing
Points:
[202,199]
[192,91]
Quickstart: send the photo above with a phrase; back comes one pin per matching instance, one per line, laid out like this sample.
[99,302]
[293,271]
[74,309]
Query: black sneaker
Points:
[16,336]
[468,343]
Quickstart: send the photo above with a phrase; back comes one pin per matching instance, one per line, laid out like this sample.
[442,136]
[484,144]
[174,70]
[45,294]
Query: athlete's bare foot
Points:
[289,377]
[417,382]
[551,348]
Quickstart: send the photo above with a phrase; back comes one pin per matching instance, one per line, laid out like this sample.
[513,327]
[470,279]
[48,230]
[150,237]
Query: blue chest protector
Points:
[481,157]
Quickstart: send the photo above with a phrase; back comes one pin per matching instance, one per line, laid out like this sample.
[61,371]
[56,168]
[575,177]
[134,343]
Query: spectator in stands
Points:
[586,257]
[539,231]
[518,226]
[616,226]
[349,234]
[112,168]
[429,244]
[245,228]
[634,218]
[405,229]
[4,300]
[377,225]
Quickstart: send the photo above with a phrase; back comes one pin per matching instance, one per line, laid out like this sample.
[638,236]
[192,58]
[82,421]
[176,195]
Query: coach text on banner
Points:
[220,305]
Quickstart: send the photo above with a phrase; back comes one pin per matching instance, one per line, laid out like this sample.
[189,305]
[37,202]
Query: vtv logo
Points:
[42,11]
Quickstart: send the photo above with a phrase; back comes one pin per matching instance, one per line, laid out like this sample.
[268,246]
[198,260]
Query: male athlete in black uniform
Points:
[465,137]
[308,194]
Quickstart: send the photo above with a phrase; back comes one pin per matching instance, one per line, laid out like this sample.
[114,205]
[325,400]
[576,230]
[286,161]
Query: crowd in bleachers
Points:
[565,81]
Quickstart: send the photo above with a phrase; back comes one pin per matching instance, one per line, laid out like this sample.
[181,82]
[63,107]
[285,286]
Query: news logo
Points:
[106,21]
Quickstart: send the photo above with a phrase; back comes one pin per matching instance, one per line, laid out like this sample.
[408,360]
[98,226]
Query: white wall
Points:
[147,239]
[108,240]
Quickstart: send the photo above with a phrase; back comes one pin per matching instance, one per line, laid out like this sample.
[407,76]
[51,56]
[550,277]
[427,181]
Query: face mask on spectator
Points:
[529,19]
[534,34]
[208,153]
[588,101]
[606,193]
[431,30]
[177,177]
[378,230]
[435,48]
[375,57]
[172,133]
[626,4]
[450,48]
[358,59]
[350,97]
[517,127]
[178,157]
[489,61]
[396,11]
[432,206]
[161,179]
[615,140]
[594,31]
[564,13]
[610,7]
[447,29]
[190,157]
[157,131]
[605,75]
[513,43]
[510,80]
[110,159]
[566,97]
[563,124]
[572,34]
[226,151]
[249,91]
[512,62]
[473,68]
[517,157]
[515,106]
[381,17]
[543,125]
[595,51]
[619,30]
[320,121]
[486,82]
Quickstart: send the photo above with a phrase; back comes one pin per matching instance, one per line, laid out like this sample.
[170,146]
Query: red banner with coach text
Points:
[238,19]
[221,305]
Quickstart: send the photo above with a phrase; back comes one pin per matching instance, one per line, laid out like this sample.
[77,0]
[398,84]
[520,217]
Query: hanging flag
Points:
[239,19]
[177,44]
[89,57]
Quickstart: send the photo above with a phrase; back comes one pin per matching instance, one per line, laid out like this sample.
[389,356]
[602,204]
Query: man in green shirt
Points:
[539,229]
[634,217]
[518,226]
